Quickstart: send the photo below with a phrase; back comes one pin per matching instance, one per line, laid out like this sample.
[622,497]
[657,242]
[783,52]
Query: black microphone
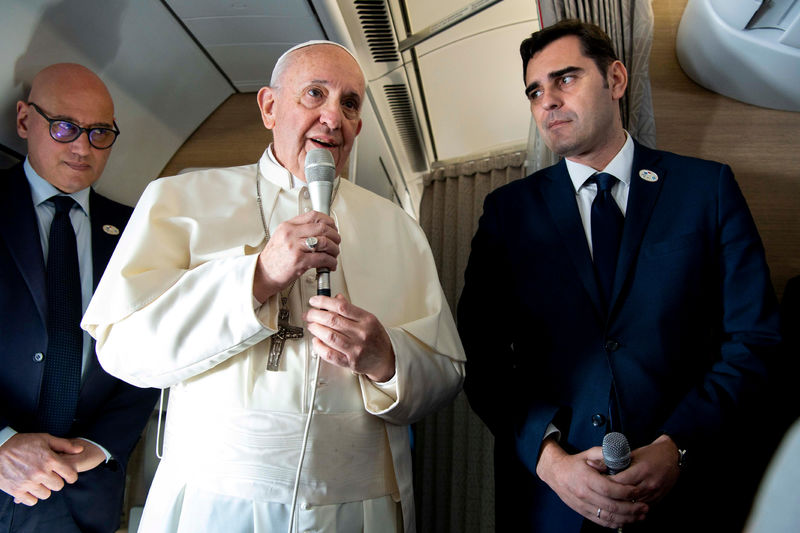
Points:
[616,452]
[320,172]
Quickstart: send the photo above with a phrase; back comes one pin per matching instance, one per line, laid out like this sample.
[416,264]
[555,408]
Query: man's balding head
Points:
[315,103]
[74,93]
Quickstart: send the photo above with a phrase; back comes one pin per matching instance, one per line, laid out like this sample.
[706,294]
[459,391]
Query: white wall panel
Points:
[475,92]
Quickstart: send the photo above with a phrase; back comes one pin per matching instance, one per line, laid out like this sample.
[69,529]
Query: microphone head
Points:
[320,173]
[616,452]
[319,166]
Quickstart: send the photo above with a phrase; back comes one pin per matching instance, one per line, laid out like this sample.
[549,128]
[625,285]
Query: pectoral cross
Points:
[285,331]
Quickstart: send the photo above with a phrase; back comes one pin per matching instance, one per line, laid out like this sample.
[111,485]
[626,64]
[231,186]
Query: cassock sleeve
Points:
[173,301]
[390,272]
[424,382]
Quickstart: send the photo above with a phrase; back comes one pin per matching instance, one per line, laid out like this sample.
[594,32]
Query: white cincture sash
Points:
[254,454]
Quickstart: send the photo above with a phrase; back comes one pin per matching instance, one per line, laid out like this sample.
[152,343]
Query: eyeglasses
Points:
[64,131]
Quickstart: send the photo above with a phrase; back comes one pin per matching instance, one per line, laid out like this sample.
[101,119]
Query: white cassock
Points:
[175,309]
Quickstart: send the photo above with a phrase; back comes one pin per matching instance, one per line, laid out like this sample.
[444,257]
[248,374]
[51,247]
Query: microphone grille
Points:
[616,451]
[319,165]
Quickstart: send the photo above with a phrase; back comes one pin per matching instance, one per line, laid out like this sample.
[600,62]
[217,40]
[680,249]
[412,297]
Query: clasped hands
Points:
[32,465]
[610,501]
[344,334]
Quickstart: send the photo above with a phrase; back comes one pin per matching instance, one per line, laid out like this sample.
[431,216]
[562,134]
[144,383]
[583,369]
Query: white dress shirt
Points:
[620,167]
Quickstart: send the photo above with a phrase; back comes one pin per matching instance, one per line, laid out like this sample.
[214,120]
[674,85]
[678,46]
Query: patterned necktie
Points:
[62,370]
[607,221]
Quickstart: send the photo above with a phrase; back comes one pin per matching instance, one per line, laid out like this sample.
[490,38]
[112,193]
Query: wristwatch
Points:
[681,458]
[681,451]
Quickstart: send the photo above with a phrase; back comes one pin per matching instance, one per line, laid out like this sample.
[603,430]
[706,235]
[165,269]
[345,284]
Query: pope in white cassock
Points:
[195,298]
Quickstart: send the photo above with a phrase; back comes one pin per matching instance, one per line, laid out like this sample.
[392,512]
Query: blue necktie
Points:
[607,221]
[62,369]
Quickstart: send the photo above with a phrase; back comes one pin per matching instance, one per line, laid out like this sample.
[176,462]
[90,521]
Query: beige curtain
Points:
[453,475]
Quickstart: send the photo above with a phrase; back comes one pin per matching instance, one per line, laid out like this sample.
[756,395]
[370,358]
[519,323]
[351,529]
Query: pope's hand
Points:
[287,256]
[346,335]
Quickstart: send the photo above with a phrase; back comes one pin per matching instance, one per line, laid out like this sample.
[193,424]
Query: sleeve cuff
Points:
[108,455]
[267,312]
[381,397]
[552,431]
[5,434]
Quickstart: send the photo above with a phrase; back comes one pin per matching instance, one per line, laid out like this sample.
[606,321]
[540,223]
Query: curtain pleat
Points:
[453,474]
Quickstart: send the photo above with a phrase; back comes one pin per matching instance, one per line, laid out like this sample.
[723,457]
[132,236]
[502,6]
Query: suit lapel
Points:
[559,195]
[103,240]
[641,201]
[103,243]
[20,230]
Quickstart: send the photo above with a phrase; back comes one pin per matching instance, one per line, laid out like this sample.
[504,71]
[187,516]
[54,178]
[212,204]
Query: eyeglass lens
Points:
[67,131]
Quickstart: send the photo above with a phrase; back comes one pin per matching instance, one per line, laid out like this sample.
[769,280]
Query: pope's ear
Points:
[266,103]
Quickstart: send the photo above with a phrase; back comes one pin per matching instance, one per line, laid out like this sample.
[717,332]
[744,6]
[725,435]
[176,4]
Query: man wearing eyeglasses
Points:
[66,426]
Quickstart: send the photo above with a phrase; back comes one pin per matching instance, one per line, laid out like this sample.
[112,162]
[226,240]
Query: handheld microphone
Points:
[320,172]
[616,452]
[616,455]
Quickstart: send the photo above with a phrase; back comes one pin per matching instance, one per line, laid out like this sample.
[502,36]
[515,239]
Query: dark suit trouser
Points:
[50,515]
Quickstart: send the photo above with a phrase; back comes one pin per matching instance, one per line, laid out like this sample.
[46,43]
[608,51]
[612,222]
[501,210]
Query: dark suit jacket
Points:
[109,412]
[784,394]
[691,313]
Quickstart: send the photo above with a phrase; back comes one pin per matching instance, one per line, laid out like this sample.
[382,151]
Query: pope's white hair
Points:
[283,61]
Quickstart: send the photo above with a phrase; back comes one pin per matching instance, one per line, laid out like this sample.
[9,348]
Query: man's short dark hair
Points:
[595,44]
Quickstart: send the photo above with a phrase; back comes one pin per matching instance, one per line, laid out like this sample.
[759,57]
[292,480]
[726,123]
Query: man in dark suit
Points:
[66,426]
[638,301]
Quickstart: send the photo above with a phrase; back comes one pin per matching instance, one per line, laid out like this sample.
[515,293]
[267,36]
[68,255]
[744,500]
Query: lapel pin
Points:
[111,230]
[648,175]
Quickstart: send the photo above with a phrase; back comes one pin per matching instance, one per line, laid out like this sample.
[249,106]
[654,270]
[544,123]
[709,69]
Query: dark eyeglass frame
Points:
[79,129]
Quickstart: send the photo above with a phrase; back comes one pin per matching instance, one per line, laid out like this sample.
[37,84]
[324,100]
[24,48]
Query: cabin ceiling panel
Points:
[247,64]
[242,8]
[504,13]
[245,38]
[252,30]
[423,13]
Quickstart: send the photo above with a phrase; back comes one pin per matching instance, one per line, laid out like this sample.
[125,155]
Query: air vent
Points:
[403,114]
[377,30]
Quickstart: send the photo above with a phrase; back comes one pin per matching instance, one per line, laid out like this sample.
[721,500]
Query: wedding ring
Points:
[312,243]
[598,512]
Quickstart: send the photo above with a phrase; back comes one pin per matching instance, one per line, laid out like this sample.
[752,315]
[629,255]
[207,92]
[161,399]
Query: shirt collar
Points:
[620,167]
[275,172]
[42,190]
